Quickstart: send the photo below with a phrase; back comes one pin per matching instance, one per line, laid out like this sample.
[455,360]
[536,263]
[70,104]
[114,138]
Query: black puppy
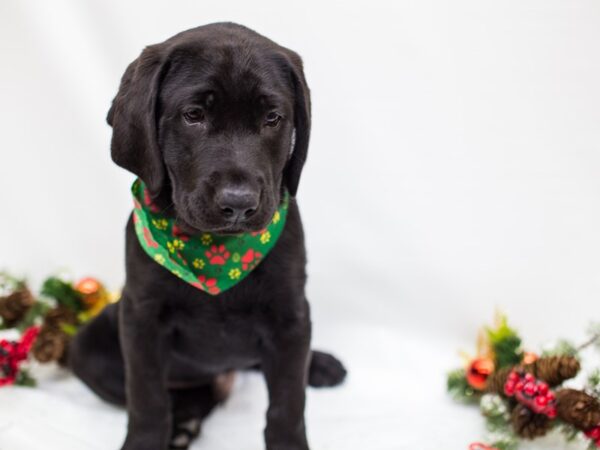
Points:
[216,123]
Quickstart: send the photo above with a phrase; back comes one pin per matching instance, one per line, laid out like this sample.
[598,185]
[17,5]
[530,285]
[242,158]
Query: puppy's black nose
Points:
[237,203]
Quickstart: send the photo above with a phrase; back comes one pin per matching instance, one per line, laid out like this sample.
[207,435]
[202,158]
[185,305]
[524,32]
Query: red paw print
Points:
[183,260]
[178,233]
[148,201]
[250,259]
[208,285]
[217,256]
[150,242]
[256,233]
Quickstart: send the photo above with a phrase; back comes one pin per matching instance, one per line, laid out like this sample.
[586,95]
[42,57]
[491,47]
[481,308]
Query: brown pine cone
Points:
[14,306]
[554,370]
[578,408]
[528,424]
[495,382]
[60,316]
[50,344]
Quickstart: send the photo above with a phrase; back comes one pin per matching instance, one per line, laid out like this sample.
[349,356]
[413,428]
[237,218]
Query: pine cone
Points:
[495,382]
[528,424]
[554,370]
[50,344]
[14,306]
[59,316]
[578,408]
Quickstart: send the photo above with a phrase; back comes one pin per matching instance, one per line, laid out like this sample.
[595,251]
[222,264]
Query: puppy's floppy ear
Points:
[294,166]
[134,144]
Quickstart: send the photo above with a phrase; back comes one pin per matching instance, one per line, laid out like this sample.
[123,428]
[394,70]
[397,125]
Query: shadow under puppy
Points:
[215,122]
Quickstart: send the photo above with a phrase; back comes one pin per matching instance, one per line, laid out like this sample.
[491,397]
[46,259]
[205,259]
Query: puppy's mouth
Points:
[194,222]
[231,229]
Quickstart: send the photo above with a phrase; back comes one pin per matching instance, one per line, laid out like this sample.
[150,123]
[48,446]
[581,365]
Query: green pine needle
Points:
[506,344]
[593,383]
[508,351]
[34,315]
[561,348]
[495,411]
[569,432]
[594,332]
[9,283]
[509,443]
[63,293]
[68,329]
[459,389]
[25,379]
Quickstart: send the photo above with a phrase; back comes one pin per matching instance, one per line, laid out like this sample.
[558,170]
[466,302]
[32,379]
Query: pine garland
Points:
[47,322]
[523,397]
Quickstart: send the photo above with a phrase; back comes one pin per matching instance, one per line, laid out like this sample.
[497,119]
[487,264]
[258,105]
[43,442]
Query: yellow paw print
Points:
[206,239]
[265,237]
[159,259]
[235,274]
[177,244]
[161,224]
[276,217]
[198,263]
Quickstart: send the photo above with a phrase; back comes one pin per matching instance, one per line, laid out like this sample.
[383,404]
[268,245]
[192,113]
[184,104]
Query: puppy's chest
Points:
[216,337]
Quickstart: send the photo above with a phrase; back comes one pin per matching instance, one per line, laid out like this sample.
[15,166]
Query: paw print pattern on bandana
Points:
[250,259]
[217,255]
[210,262]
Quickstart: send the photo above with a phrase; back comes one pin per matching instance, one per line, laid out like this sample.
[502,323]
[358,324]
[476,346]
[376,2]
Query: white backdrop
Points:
[453,170]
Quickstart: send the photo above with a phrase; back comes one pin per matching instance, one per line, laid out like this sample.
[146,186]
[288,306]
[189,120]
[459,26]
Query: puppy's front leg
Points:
[285,365]
[148,404]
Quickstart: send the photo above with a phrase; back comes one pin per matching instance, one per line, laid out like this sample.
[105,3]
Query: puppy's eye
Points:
[272,119]
[194,115]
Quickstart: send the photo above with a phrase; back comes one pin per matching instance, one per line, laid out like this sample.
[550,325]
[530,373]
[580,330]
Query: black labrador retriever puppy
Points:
[215,121]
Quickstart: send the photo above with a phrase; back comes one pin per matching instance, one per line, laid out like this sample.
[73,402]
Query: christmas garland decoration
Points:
[46,322]
[522,394]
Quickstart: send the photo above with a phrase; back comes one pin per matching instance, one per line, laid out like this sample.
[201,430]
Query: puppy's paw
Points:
[325,370]
[184,433]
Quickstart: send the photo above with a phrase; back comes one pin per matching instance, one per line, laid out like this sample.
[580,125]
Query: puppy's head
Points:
[216,122]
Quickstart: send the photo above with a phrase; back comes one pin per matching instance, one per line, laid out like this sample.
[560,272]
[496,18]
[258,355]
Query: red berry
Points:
[513,376]
[551,413]
[509,390]
[593,434]
[543,388]
[529,389]
[519,386]
[529,377]
[550,396]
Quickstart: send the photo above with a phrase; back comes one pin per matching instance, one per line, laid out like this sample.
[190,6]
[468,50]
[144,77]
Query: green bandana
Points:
[210,262]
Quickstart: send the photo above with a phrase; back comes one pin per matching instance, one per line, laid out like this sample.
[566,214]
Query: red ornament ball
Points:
[478,372]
